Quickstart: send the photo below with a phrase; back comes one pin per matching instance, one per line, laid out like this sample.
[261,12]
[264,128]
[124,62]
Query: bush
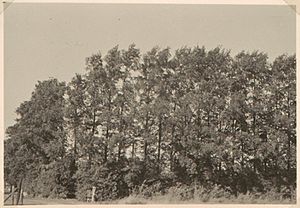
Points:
[183,193]
[108,180]
[85,182]
[133,174]
[54,180]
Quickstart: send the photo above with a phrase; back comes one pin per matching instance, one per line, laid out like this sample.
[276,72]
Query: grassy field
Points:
[165,199]
[162,199]
[44,201]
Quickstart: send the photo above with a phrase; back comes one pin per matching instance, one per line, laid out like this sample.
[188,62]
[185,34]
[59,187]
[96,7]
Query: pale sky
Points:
[53,40]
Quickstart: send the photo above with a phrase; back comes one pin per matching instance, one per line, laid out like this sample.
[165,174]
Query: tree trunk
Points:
[159,140]
[145,150]
[19,190]
[107,129]
[75,143]
[13,195]
[172,148]
[132,149]
[121,130]
[254,123]
[105,145]
[289,137]
[21,197]
[145,139]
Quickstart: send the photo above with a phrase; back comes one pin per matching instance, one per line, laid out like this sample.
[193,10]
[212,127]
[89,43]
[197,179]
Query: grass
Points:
[45,201]
[162,199]
[166,199]
[178,195]
[200,195]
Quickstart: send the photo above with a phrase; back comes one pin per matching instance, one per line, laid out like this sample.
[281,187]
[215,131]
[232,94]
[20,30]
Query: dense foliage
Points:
[153,122]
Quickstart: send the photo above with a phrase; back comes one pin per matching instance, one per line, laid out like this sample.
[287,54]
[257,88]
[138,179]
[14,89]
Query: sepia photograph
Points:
[149,103]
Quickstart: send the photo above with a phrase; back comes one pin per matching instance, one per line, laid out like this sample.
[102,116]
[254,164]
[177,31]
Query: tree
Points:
[39,133]
[146,122]
[283,120]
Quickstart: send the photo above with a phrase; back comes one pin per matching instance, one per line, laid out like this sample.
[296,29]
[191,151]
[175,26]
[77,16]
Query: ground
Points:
[44,201]
[137,200]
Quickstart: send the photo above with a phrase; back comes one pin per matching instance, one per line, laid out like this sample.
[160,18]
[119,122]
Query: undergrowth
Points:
[199,194]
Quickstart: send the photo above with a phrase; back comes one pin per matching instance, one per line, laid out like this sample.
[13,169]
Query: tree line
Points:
[133,120]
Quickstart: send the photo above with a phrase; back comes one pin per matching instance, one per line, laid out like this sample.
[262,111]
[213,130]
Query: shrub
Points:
[108,180]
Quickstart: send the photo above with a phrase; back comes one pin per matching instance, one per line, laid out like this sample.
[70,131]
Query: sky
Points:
[52,40]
